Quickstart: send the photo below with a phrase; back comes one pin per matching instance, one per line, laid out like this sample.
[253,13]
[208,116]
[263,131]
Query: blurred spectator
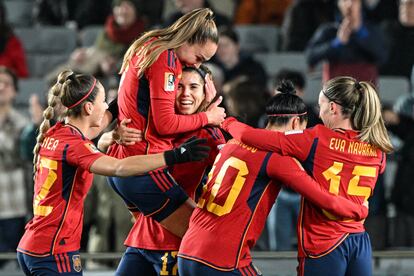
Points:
[234,63]
[101,60]
[352,47]
[261,11]
[13,190]
[62,12]
[380,10]
[401,124]
[400,36]
[11,50]
[185,6]
[245,99]
[301,21]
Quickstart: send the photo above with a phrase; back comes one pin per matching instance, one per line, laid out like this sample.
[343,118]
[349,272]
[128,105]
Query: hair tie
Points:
[358,86]
[86,95]
[285,115]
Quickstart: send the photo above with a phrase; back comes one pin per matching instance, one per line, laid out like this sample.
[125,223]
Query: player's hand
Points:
[209,88]
[366,204]
[190,150]
[216,114]
[126,135]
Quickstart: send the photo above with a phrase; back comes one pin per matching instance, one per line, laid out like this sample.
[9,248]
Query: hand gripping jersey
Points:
[242,187]
[149,102]
[149,234]
[62,182]
[341,164]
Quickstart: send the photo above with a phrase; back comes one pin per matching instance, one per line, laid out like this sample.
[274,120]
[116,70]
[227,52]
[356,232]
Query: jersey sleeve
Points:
[163,77]
[83,154]
[290,173]
[293,143]
[215,140]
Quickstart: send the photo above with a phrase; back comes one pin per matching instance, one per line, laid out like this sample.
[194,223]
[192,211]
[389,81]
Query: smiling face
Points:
[190,93]
[195,54]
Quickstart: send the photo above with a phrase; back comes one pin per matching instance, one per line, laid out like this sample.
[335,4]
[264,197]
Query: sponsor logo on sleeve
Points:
[92,148]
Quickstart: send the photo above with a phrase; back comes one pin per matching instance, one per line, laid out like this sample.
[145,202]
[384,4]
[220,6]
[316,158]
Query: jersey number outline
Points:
[164,268]
[235,190]
[332,175]
[51,165]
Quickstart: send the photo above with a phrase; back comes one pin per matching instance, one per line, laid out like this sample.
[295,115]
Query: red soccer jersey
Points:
[149,102]
[62,182]
[339,161]
[242,187]
[149,234]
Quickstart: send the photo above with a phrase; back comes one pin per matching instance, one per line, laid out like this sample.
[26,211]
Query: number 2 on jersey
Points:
[332,175]
[51,165]
[235,190]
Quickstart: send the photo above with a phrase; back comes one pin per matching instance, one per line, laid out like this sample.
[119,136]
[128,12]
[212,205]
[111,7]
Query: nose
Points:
[186,91]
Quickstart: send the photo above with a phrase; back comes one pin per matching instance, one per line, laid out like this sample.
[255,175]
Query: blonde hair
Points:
[69,90]
[360,103]
[195,27]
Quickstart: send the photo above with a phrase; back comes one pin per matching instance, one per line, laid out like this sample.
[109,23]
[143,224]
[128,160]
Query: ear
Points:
[295,123]
[333,107]
[88,108]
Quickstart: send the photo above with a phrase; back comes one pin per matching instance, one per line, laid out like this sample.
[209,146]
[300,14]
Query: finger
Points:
[202,148]
[133,131]
[191,139]
[198,141]
[129,143]
[124,122]
[217,102]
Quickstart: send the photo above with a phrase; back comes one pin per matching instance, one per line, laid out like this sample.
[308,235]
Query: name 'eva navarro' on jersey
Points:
[352,147]
[249,148]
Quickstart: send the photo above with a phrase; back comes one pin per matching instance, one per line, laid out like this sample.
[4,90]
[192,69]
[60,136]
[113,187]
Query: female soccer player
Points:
[151,249]
[151,70]
[65,160]
[241,190]
[345,156]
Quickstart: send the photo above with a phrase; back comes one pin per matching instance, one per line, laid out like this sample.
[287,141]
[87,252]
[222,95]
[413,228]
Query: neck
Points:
[344,124]
[278,128]
[79,124]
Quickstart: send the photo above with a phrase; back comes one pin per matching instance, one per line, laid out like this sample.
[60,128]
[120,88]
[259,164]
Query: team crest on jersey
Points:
[77,265]
[92,148]
[169,80]
[293,132]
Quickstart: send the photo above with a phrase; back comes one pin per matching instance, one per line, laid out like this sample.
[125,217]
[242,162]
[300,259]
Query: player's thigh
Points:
[68,264]
[134,263]
[360,264]
[155,194]
[332,264]
[188,267]
[164,262]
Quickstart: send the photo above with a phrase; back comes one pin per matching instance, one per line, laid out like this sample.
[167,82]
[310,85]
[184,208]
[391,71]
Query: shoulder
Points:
[212,133]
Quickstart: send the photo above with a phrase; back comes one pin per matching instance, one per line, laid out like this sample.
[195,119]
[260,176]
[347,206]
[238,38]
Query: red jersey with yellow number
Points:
[242,187]
[339,161]
[149,234]
[149,102]
[62,182]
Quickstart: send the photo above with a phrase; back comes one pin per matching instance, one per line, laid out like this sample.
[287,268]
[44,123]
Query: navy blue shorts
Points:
[155,194]
[188,267]
[353,257]
[137,262]
[60,264]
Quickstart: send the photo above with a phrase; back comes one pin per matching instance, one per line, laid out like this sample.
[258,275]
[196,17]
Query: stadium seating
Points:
[19,12]
[46,47]
[390,88]
[258,38]
[89,34]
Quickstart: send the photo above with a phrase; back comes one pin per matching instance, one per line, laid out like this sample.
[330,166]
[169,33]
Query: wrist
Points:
[170,157]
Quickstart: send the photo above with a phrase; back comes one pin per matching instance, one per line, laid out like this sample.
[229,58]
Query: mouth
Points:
[186,103]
